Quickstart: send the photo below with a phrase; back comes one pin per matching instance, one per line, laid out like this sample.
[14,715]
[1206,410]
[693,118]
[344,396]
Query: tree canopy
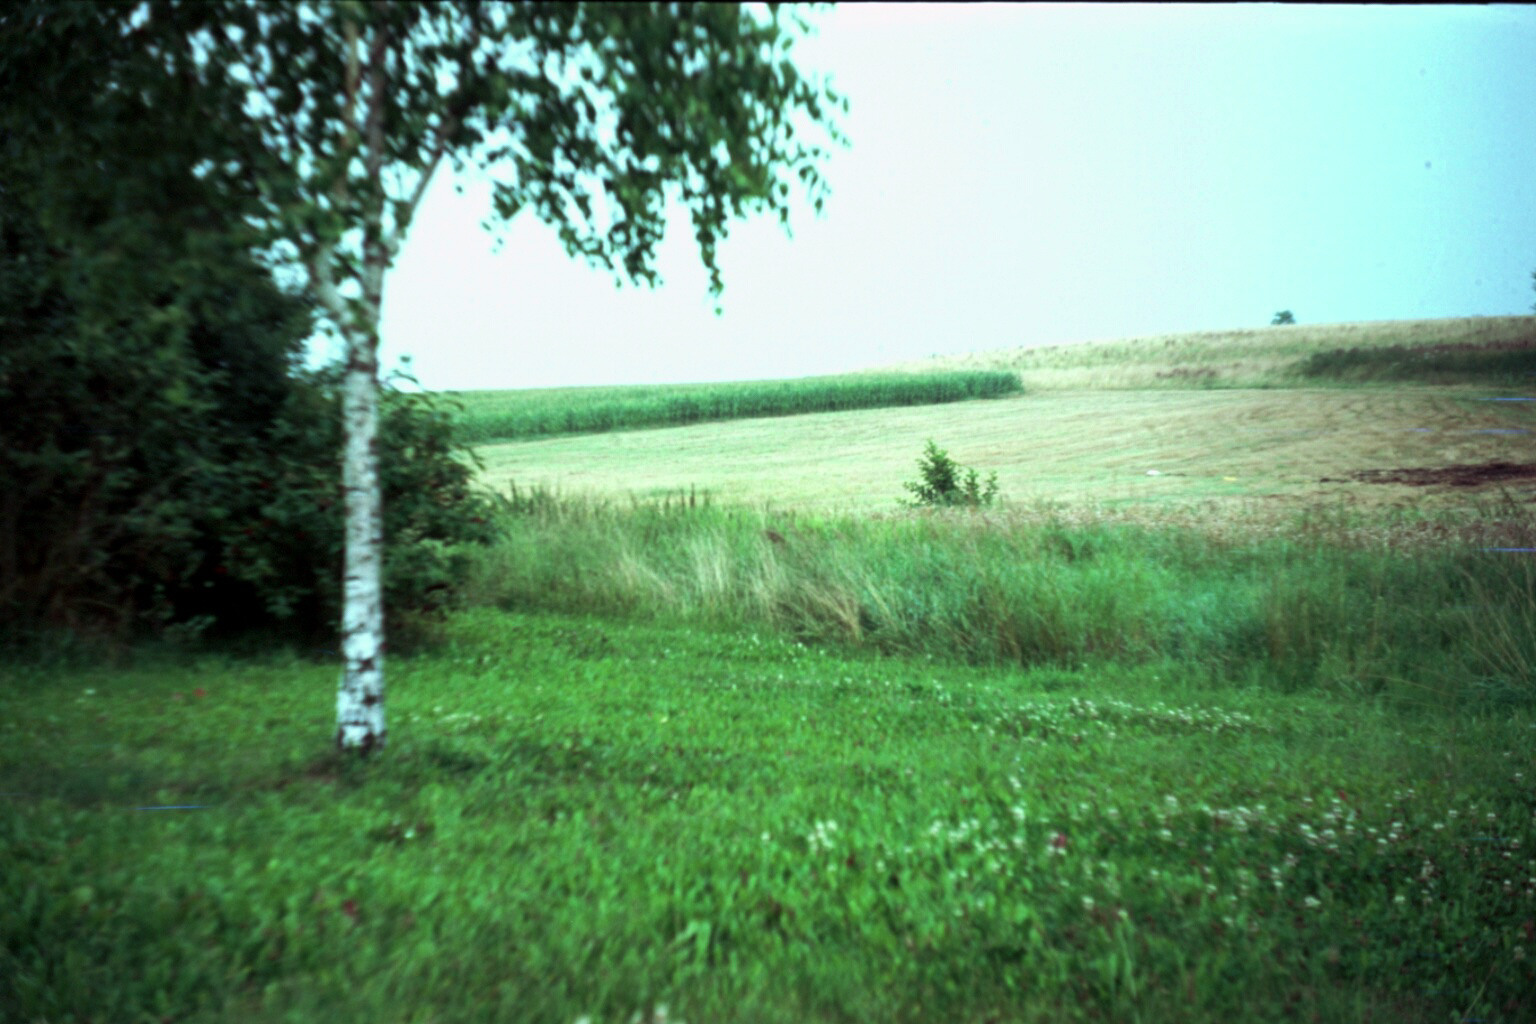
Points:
[321,125]
[165,462]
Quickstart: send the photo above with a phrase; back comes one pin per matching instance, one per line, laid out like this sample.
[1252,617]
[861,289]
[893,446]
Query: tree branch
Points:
[446,128]
[376,253]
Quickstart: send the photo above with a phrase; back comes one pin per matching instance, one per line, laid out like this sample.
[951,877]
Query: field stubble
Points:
[1233,453]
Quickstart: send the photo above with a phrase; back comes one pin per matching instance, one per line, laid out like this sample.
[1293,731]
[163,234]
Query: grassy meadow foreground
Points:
[724,733]
[581,820]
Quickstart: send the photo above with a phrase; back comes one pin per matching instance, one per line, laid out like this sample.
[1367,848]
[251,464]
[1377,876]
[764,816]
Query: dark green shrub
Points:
[944,483]
[163,461]
[274,552]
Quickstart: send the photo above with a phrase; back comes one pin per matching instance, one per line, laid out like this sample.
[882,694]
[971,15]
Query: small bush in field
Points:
[945,483]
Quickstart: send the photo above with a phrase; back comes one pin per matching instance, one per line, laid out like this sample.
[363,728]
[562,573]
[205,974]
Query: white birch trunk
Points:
[360,698]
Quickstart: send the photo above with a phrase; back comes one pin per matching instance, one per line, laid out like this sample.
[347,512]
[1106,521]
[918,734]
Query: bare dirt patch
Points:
[1465,475]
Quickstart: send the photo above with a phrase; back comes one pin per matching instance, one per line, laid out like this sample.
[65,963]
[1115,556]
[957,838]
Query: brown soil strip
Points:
[1475,475]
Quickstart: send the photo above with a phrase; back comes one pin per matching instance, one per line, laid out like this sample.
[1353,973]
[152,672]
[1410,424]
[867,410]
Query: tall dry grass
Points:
[1319,602]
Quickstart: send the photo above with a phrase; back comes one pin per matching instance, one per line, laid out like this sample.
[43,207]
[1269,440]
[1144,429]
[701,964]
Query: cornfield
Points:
[514,415]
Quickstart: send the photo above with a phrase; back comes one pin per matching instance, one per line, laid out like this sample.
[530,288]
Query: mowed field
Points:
[1126,424]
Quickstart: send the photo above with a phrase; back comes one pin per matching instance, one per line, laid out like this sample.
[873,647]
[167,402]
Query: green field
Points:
[505,415]
[725,734]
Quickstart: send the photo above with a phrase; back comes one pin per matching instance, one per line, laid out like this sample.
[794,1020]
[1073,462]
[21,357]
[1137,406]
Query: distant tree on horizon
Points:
[1283,318]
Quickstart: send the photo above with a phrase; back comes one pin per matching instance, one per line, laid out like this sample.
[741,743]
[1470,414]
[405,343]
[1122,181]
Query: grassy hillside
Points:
[1499,349]
[493,415]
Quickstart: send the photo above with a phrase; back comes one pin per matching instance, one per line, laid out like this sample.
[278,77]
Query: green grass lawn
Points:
[582,819]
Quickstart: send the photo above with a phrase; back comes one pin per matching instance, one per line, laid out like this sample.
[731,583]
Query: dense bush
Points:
[163,460]
[166,465]
[274,538]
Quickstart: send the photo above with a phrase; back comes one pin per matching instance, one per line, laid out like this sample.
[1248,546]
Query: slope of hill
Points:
[1161,423]
[1258,356]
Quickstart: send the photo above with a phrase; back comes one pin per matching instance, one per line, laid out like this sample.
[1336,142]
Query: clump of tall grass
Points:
[1291,609]
[510,415]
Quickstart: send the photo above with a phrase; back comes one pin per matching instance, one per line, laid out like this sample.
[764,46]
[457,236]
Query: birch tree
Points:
[591,116]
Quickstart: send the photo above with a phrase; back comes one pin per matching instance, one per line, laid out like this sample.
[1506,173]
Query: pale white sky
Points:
[1029,174]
